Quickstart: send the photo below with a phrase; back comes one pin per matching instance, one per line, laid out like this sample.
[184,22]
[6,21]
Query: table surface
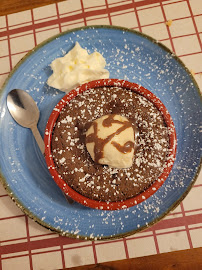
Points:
[180,233]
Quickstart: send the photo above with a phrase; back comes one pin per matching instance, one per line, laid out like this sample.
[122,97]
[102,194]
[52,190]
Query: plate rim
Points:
[116,236]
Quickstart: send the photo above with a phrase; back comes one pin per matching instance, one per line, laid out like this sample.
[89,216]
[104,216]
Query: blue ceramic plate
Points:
[131,56]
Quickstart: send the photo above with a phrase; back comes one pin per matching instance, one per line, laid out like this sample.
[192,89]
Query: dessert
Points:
[100,182]
[75,68]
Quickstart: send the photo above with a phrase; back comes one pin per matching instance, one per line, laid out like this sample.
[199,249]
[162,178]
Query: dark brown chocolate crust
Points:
[99,182]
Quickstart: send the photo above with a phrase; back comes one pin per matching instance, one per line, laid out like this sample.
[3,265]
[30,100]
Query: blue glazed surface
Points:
[130,56]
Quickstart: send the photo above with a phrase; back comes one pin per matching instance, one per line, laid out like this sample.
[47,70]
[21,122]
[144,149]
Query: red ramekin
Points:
[119,204]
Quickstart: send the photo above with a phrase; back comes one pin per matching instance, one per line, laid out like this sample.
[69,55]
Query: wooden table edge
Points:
[14,6]
[190,259]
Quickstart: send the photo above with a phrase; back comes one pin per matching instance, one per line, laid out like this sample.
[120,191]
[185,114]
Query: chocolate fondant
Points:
[101,182]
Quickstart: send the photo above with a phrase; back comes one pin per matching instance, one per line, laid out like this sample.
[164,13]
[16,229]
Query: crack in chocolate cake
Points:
[102,182]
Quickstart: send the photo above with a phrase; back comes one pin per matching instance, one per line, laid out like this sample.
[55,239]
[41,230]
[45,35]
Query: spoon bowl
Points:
[23,108]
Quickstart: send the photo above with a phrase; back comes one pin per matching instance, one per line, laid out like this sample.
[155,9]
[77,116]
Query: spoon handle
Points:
[38,138]
[41,145]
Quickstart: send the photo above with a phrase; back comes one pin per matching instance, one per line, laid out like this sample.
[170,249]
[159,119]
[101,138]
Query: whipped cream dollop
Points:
[77,67]
[110,140]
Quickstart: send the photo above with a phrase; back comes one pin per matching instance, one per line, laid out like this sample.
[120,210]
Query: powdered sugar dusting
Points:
[148,64]
[109,184]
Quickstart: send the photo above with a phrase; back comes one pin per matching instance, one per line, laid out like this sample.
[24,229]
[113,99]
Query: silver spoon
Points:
[25,112]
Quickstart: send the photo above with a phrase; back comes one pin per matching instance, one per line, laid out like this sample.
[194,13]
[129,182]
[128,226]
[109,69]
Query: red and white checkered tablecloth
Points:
[23,243]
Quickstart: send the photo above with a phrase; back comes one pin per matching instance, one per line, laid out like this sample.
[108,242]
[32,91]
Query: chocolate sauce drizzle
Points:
[100,143]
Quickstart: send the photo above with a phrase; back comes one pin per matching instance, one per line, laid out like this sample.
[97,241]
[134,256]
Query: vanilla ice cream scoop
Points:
[110,140]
